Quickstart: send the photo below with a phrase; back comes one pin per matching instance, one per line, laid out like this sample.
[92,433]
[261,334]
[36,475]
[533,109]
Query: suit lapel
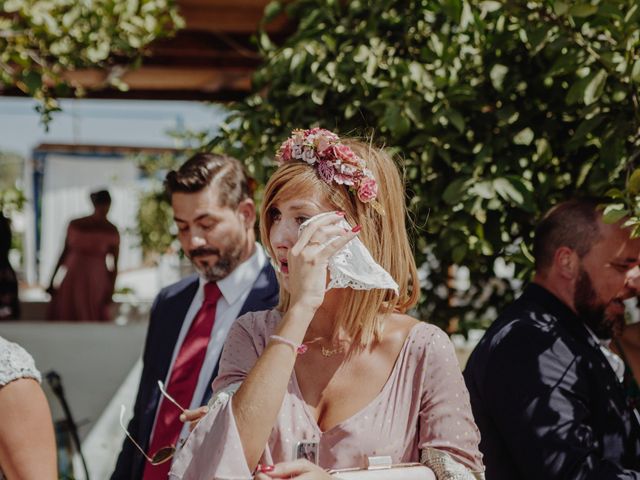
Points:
[173,317]
[170,319]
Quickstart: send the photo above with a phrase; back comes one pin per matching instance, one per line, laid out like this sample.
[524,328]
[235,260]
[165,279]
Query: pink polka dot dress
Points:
[422,413]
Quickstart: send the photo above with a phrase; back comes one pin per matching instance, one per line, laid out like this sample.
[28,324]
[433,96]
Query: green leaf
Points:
[615,193]
[456,119]
[455,191]
[317,96]
[265,42]
[633,184]
[614,212]
[484,189]
[595,87]
[458,253]
[271,11]
[524,137]
[497,74]
[490,6]
[577,91]
[583,10]
[635,71]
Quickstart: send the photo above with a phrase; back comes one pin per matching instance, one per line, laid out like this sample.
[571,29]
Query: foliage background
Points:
[41,40]
[495,110]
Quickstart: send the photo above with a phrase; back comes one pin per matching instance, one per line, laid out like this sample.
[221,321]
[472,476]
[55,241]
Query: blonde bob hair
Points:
[384,235]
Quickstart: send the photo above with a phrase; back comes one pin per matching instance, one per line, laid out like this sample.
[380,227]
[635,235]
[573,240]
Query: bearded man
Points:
[545,389]
[213,208]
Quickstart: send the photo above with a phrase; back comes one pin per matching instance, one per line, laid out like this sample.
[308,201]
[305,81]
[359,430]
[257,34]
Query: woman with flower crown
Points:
[337,370]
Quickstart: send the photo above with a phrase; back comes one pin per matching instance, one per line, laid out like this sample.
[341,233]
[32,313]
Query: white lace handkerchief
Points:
[353,266]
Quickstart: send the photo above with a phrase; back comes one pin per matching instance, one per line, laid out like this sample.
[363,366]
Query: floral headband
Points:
[333,161]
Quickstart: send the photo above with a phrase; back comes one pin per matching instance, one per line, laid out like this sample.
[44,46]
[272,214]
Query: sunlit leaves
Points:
[496,111]
[41,39]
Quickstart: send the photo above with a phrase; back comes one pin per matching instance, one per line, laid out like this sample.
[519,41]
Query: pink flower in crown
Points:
[346,174]
[322,143]
[296,151]
[284,153]
[367,190]
[297,144]
[326,170]
[347,155]
[309,155]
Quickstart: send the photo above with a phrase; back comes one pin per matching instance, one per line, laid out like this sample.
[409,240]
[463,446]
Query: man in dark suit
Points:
[545,389]
[215,214]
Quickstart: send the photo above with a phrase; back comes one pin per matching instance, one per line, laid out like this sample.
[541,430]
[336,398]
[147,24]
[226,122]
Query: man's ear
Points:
[247,210]
[566,262]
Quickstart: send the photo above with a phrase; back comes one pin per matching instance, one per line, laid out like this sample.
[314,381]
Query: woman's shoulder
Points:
[414,329]
[15,362]
[422,338]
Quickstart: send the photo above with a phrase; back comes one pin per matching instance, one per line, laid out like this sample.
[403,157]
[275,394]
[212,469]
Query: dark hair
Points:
[100,197]
[573,224]
[204,169]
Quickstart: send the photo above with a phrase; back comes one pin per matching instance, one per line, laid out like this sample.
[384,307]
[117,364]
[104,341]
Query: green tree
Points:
[40,40]
[12,197]
[496,110]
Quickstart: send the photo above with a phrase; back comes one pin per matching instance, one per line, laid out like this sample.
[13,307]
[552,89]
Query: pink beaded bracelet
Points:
[302,348]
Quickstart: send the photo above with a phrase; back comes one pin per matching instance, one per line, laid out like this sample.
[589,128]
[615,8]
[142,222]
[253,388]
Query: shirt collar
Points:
[617,364]
[242,277]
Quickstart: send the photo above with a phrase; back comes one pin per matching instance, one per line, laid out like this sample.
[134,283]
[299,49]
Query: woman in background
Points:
[89,267]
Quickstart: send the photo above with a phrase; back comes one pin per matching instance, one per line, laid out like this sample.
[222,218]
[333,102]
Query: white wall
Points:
[68,181]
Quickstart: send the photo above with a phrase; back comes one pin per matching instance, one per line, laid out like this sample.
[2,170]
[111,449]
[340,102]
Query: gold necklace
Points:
[329,352]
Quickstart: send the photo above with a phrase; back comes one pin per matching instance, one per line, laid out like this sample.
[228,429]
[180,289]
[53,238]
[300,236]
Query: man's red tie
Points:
[182,381]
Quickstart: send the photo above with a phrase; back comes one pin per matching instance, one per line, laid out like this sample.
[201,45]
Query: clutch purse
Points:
[382,468]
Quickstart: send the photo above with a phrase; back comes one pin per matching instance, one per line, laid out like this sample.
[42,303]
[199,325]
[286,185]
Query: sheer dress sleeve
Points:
[448,435]
[214,449]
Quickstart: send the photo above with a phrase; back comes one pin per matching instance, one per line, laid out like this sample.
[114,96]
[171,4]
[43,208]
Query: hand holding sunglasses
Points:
[165,453]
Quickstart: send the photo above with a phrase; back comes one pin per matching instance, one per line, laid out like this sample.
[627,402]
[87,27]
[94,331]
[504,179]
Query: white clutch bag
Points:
[381,468]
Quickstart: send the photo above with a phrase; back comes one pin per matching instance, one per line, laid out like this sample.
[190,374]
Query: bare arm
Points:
[257,402]
[63,255]
[114,273]
[27,442]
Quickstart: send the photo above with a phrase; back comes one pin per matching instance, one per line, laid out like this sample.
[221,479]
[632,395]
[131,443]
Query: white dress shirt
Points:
[613,359]
[235,289]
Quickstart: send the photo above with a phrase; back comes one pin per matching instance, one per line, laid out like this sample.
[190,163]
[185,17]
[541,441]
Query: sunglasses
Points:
[163,454]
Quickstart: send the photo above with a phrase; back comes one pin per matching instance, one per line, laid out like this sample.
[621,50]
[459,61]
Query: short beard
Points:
[590,309]
[227,262]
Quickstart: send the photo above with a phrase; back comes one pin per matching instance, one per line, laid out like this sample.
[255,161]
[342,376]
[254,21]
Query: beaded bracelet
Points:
[302,348]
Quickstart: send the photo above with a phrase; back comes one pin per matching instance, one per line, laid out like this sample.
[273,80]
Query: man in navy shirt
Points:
[545,389]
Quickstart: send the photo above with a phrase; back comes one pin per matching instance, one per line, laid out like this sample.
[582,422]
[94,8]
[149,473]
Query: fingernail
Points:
[340,213]
[356,229]
[266,468]
[183,418]
[206,409]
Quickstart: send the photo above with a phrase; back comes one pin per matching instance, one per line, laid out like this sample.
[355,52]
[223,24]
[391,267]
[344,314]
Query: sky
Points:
[102,122]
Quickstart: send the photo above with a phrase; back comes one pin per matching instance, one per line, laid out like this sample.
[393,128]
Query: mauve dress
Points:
[424,406]
[85,292]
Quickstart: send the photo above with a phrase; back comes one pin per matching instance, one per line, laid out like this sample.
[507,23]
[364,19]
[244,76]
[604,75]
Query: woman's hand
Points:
[193,416]
[309,257]
[300,469]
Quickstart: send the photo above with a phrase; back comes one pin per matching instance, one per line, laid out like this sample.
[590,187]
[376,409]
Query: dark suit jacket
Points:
[167,314]
[546,401]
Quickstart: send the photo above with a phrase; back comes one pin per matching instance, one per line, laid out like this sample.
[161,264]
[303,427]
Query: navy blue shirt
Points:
[546,401]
